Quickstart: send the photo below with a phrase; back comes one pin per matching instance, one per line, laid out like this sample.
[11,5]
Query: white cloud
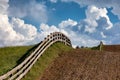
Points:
[32,9]
[114,4]
[70,28]
[8,35]
[77,39]
[15,32]
[27,30]
[46,29]
[4,6]
[113,35]
[82,39]
[91,25]
[67,23]
[93,14]
[103,35]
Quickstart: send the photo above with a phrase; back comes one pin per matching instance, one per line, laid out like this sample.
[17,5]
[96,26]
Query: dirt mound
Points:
[111,48]
[84,65]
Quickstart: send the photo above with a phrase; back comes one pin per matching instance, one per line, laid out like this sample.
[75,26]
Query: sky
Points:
[85,22]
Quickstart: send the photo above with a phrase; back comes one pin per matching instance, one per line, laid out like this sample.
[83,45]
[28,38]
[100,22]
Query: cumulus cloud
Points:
[67,27]
[27,30]
[7,33]
[114,4]
[67,23]
[103,35]
[15,32]
[4,6]
[88,32]
[5,28]
[113,35]
[73,30]
[93,14]
[46,29]
[28,9]
[79,39]
[90,25]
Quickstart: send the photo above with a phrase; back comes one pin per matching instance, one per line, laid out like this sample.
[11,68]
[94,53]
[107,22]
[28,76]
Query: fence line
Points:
[21,70]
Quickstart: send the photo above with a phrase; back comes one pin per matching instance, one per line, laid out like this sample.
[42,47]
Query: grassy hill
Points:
[85,64]
[12,56]
[46,59]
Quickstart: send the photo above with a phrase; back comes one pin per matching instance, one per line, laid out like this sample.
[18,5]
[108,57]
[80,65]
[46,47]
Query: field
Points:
[111,48]
[83,64]
[12,56]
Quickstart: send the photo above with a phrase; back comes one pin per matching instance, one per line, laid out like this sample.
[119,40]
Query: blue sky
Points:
[85,22]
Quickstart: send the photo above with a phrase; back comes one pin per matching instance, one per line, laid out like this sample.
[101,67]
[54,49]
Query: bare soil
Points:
[111,48]
[84,65]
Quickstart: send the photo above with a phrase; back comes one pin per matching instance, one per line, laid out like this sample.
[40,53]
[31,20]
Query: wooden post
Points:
[101,44]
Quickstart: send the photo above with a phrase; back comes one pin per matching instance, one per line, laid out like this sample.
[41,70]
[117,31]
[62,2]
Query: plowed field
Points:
[81,64]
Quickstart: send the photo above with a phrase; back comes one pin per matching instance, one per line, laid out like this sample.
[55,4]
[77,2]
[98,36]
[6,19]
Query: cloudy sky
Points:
[85,22]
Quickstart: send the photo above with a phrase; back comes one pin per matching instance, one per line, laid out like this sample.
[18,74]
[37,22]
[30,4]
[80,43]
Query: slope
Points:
[46,59]
[81,64]
[12,56]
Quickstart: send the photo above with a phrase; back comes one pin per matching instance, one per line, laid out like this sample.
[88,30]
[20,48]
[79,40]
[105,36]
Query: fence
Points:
[21,70]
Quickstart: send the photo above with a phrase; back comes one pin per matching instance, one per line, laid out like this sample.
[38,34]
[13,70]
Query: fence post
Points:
[101,45]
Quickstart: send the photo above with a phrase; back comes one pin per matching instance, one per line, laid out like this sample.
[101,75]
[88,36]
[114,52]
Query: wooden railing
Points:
[21,70]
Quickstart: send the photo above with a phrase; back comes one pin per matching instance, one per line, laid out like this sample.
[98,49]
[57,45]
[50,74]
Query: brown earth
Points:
[111,48]
[81,64]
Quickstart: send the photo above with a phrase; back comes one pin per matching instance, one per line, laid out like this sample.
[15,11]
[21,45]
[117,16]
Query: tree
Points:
[82,46]
[77,47]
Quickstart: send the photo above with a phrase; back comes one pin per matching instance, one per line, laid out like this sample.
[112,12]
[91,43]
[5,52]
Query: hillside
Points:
[46,59]
[81,64]
[12,56]
[60,62]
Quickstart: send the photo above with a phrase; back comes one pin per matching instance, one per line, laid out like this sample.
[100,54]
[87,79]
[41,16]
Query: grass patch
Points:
[12,56]
[44,61]
[96,48]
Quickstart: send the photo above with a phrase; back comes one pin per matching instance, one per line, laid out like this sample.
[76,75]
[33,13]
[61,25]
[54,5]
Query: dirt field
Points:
[82,64]
[111,48]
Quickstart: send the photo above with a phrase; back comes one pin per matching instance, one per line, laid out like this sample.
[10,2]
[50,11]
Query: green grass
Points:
[96,48]
[44,61]
[12,56]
